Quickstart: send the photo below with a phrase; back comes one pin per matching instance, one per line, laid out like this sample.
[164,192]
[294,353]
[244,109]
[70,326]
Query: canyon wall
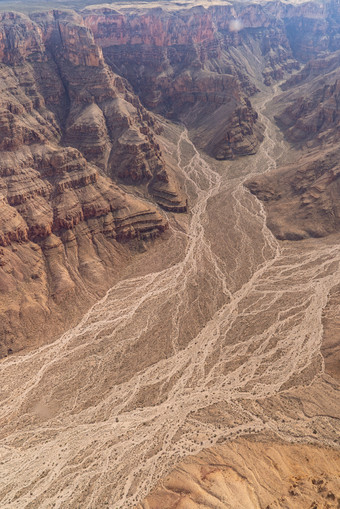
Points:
[200,65]
[221,331]
[302,198]
[69,128]
[80,99]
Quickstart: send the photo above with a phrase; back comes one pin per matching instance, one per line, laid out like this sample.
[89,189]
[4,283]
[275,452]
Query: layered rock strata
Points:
[74,123]
[313,113]
[197,63]
[180,69]
[302,198]
[69,129]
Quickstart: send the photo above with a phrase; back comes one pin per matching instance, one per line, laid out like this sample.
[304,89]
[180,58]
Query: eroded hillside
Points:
[130,138]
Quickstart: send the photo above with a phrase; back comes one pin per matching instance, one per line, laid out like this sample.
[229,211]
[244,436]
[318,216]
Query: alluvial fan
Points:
[191,350]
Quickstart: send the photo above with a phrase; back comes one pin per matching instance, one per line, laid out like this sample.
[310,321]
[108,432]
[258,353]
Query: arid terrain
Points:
[170,264]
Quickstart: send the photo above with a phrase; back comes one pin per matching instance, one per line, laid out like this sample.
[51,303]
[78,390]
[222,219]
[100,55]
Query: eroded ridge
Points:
[174,360]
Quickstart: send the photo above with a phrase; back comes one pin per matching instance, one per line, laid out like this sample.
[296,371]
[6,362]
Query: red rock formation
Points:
[181,61]
[157,43]
[72,127]
[167,57]
[56,91]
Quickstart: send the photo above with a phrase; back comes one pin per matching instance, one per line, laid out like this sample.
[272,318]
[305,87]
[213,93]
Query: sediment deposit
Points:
[186,162]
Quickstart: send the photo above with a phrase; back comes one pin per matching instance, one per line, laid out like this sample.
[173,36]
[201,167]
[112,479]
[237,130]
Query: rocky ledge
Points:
[79,99]
[302,198]
[70,131]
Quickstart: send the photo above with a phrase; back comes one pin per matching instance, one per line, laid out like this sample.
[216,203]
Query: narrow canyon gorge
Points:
[169,255]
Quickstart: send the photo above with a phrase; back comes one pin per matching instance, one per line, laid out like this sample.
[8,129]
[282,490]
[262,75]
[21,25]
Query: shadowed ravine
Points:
[169,362]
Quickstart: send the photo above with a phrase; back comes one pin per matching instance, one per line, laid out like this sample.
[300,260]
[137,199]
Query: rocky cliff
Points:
[180,65]
[69,129]
[313,97]
[302,198]
[79,99]
[199,64]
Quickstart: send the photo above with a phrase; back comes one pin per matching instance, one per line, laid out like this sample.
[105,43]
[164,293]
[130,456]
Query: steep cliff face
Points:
[314,29]
[195,63]
[75,96]
[207,37]
[69,128]
[178,65]
[313,97]
[197,38]
[302,199]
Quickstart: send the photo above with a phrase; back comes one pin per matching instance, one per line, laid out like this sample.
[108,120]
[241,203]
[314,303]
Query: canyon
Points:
[169,262]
